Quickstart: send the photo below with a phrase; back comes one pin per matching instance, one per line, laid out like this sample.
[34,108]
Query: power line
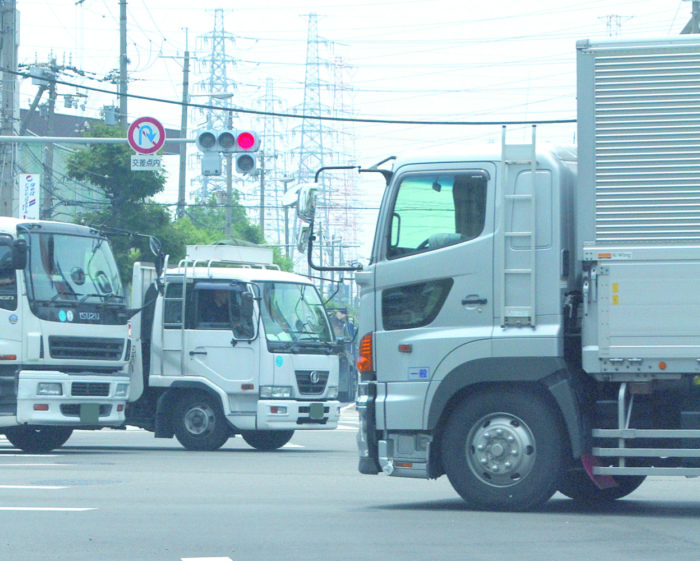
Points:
[312,117]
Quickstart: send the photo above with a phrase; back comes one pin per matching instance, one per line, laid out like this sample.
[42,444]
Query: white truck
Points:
[228,344]
[64,344]
[528,327]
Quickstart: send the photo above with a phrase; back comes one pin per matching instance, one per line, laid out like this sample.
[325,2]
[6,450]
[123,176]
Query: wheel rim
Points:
[199,420]
[500,450]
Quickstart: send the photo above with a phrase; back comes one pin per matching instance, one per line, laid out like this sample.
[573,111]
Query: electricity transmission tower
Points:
[218,89]
[273,170]
[314,150]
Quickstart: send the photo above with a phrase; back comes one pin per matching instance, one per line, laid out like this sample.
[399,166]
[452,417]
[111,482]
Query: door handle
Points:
[474,300]
[192,353]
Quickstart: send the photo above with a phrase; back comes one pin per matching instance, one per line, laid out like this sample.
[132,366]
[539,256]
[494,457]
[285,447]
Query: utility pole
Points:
[123,60]
[182,179]
[229,182]
[47,191]
[9,112]
[181,191]
[262,194]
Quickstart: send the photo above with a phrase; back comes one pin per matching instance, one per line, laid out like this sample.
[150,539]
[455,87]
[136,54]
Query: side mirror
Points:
[156,248]
[247,305]
[306,202]
[303,196]
[19,254]
[303,238]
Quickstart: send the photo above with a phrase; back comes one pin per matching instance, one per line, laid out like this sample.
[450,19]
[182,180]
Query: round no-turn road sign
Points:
[146,135]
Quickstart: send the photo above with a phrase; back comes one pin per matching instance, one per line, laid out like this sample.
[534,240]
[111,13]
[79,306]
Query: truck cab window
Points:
[219,307]
[437,210]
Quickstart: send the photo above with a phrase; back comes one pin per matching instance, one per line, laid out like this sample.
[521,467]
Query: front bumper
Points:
[74,400]
[282,414]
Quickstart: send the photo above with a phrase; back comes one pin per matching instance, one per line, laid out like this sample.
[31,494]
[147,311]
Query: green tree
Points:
[128,195]
[108,166]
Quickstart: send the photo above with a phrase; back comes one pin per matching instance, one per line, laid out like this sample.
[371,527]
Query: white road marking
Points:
[25,456]
[31,465]
[40,487]
[47,509]
[205,559]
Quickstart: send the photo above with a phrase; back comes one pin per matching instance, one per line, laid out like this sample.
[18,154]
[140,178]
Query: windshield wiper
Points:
[105,298]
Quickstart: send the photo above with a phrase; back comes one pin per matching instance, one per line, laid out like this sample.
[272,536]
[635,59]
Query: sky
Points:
[408,60]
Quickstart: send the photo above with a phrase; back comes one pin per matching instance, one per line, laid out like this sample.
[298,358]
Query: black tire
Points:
[577,485]
[199,423]
[267,440]
[504,450]
[38,439]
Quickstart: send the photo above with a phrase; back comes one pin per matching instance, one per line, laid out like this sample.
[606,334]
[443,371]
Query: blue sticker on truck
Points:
[419,373]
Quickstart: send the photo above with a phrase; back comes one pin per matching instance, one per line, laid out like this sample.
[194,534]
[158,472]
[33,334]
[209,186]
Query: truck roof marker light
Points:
[364,360]
[662,365]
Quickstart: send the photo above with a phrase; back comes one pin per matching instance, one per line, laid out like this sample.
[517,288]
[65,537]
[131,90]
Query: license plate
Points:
[316,410]
[89,413]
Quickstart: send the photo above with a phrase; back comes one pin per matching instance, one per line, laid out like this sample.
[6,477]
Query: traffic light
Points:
[247,144]
[213,142]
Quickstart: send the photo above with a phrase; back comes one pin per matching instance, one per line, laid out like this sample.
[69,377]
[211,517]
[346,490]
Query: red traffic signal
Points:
[247,141]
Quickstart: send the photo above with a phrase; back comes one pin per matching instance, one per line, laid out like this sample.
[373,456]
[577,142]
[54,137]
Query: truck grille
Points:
[85,348]
[87,389]
[311,382]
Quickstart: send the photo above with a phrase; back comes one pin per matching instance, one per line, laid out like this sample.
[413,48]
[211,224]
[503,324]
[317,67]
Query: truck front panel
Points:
[65,338]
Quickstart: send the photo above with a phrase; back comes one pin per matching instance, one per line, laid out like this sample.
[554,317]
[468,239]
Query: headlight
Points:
[49,388]
[122,390]
[276,392]
[332,392]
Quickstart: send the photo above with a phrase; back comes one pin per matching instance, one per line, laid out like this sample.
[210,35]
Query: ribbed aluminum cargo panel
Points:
[646,135]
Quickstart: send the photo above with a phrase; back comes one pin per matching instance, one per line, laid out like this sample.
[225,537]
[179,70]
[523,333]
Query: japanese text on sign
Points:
[146,163]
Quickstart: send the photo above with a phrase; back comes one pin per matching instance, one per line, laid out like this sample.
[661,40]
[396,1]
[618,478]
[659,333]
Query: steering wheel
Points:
[425,243]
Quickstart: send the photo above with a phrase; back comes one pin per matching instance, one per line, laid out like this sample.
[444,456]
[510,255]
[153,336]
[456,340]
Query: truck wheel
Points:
[37,439]
[578,486]
[199,423]
[504,450]
[267,440]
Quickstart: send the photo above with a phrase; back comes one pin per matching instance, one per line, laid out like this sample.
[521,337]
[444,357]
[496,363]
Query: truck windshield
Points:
[64,267]
[294,312]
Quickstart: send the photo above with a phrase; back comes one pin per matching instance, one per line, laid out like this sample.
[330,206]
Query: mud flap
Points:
[602,481]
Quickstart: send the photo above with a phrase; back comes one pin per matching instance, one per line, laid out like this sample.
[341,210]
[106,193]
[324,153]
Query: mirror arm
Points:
[309,256]
[358,168]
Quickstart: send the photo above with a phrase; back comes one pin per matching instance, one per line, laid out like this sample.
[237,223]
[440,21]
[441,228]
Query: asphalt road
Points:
[125,496]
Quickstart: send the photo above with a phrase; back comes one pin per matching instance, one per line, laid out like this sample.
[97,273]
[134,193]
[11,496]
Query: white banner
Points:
[146,163]
[29,196]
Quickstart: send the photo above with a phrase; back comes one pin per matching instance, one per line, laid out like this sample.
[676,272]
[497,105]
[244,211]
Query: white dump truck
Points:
[64,344]
[227,344]
[530,317]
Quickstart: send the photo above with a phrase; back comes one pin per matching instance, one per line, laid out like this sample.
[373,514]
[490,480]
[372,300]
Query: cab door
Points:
[433,282]
[215,347]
